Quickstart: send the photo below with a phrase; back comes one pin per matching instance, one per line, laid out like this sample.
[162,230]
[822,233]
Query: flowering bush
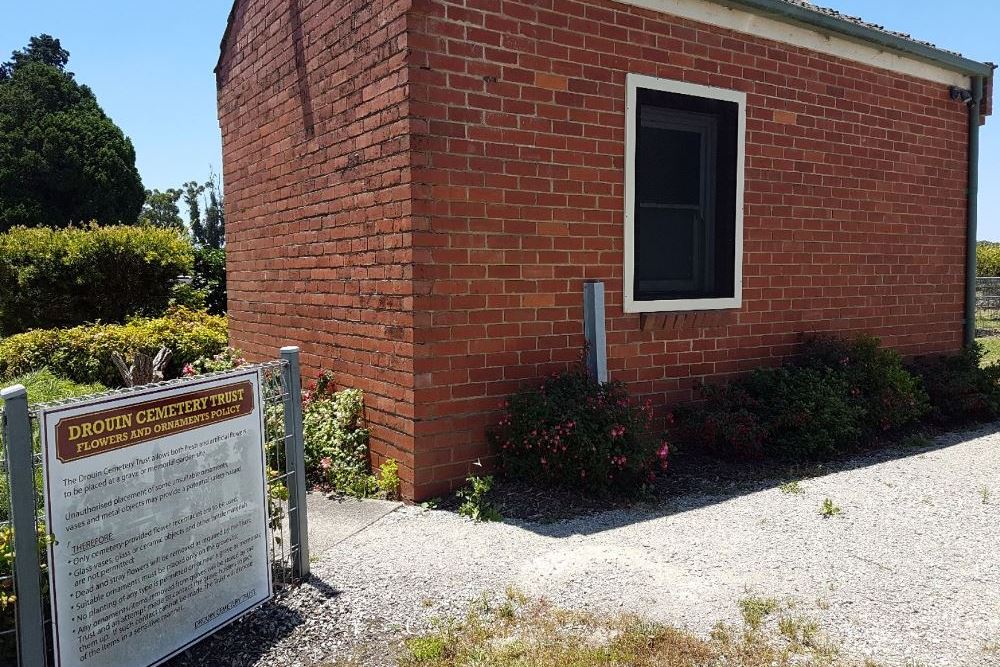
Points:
[833,397]
[336,439]
[575,432]
[887,395]
[781,413]
[228,359]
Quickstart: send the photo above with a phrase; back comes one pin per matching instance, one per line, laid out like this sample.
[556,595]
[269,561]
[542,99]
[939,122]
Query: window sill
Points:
[682,305]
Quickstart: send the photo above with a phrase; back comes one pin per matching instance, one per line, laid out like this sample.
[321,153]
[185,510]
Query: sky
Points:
[150,65]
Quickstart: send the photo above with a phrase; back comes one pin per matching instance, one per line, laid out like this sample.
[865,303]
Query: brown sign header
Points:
[98,432]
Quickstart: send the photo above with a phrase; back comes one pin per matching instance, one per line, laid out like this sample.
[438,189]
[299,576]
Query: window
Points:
[684,148]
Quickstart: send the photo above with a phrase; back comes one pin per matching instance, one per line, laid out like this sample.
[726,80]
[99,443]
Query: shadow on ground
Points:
[694,482]
[248,640]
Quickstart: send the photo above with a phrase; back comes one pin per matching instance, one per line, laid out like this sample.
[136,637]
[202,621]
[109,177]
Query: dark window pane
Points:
[668,244]
[685,196]
[670,166]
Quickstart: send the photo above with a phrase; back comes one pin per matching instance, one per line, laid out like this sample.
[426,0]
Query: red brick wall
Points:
[855,205]
[313,109]
[416,195]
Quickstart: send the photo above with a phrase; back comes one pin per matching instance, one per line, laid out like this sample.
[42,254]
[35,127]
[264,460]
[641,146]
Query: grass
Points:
[991,346]
[532,633]
[44,386]
[792,488]
[755,609]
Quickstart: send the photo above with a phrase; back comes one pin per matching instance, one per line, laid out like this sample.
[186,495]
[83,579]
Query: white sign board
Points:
[157,503]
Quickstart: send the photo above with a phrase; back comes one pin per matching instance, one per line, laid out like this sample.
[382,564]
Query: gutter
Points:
[975,105]
[829,23]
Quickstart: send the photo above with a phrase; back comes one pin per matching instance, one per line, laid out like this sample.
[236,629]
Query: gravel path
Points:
[908,571]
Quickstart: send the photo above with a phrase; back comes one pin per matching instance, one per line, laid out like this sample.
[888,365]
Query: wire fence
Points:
[287,529]
[987,307]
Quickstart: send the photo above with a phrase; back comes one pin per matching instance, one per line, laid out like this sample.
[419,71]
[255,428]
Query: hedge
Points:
[83,354]
[987,259]
[65,277]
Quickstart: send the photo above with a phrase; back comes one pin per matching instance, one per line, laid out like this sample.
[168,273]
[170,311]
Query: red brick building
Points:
[416,191]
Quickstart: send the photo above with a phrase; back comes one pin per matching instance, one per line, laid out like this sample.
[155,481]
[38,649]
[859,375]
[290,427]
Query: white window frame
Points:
[632,83]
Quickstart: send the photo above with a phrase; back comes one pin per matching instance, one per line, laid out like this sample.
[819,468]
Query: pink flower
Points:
[188,370]
[325,463]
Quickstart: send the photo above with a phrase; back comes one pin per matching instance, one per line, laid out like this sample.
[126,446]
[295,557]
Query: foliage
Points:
[886,393]
[208,230]
[226,360]
[62,160]
[83,353]
[210,277]
[533,633]
[474,504]
[829,509]
[783,413]
[336,438]
[833,397]
[575,432]
[8,599]
[160,210]
[961,389]
[65,277]
[987,259]
[44,49]
[387,479]
[44,386]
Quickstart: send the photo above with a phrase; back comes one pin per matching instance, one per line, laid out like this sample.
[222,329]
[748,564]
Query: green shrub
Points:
[336,439]
[780,413]
[833,397]
[961,390]
[474,504]
[887,394]
[387,479]
[575,432]
[65,277]
[987,259]
[83,353]
[226,360]
[44,386]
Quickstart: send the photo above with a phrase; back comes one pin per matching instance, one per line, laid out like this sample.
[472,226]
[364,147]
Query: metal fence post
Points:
[594,329]
[27,573]
[295,464]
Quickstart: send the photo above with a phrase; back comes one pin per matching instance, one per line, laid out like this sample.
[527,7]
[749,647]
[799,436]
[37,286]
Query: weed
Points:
[755,609]
[792,488]
[984,494]
[430,647]
[387,480]
[799,631]
[522,633]
[474,504]
[828,509]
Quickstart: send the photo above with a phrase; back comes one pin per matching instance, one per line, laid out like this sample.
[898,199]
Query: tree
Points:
[192,197]
[62,160]
[215,226]
[161,210]
[44,49]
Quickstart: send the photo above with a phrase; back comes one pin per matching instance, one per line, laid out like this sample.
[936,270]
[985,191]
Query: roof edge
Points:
[793,13]
[225,36]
